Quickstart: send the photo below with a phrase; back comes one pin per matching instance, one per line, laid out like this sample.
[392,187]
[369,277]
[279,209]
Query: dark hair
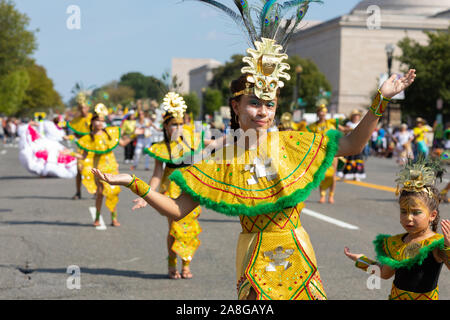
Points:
[432,203]
[96,117]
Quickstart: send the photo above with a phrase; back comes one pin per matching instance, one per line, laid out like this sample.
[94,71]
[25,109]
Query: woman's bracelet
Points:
[364,263]
[379,104]
[139,187]
[447,252]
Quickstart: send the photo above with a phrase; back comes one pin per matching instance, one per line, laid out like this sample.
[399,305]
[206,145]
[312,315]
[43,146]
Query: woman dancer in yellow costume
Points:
[179,144]
[322,125]
[97,149]
[416,257]
[264,177]
[80,127]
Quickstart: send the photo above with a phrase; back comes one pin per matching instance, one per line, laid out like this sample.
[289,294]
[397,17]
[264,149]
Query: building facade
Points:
[350,49]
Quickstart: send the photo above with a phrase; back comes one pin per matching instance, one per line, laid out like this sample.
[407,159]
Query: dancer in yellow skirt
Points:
[80,127]
[179,145]
[265,176]
[322,125]
[416,257]
[97,148]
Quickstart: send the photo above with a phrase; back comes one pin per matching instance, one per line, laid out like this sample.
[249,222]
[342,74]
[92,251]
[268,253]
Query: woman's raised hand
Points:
[121,179]
[391,87]
[445,225]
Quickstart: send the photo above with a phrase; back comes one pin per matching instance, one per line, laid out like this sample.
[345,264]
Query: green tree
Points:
[16,45]
[312,83]
[113,94]
[193,104]
[213,100]
[16,42]
[432,64]
[223,75]
[12,91]
[144,86]
[40,94]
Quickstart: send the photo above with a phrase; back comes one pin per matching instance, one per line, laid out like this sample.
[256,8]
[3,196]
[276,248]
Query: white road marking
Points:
[102,225]
[329,219]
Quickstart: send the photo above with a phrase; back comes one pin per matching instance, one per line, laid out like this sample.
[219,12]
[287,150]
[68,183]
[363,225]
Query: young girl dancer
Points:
[414,258]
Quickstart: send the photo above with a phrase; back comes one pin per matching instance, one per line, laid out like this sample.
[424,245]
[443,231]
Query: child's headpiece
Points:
[419,176]
[268,30]
[101,110]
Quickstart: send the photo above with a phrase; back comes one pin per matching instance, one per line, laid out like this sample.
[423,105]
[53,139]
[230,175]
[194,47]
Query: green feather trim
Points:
[100,152]
[384,259]
[76,131]
[181,159]
[291,200]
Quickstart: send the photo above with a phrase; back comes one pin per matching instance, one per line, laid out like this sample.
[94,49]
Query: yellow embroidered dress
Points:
[266,188]
[316,127]
[186,230]
[80,125]
[101,156]
[416,270]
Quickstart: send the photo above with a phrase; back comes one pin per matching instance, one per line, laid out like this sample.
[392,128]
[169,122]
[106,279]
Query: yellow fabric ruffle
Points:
[101,142]
[275,258]
[190,143]
[396,249]
[80,125]
[286,163]
[398,294]
[323,127]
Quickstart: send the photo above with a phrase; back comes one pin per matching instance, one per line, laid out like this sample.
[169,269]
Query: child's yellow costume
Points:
[100,155]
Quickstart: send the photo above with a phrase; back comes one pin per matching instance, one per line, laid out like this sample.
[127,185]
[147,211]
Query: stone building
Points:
[350,49]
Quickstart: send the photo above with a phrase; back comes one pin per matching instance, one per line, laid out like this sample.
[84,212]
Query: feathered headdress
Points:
[81,98]
[419,176]
[268,30]
[174,106]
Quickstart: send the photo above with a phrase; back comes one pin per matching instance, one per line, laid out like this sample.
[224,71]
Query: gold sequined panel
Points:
[398,294]
[285,219]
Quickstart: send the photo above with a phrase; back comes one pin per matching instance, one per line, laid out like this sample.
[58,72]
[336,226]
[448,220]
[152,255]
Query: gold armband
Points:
[447,252]
[139,187]
[379,104]
[364,263]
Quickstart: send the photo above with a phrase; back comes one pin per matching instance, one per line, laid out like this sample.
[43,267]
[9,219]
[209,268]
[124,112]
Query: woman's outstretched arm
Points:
[175,209]
[354,142]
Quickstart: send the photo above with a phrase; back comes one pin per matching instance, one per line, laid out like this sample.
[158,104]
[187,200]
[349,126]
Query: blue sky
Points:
[118,36]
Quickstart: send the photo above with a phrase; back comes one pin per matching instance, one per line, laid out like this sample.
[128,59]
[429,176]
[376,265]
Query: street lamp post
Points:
[390,53]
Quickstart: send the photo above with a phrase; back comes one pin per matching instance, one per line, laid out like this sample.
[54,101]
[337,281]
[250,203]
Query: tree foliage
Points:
[432,64]
[144,86]
[40,94]
[193,104]
[212,100]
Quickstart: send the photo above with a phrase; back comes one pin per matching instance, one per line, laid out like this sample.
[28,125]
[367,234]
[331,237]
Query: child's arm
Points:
[362,262]
[444,255]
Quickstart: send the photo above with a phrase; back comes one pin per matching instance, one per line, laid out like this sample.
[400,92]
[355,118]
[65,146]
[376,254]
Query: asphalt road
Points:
[44,234]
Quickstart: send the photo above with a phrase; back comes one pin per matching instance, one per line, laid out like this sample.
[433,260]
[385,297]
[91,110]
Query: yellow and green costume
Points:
[266,188]
[185,231]
[80,125]
[316,127]
[100,155]
[416,271]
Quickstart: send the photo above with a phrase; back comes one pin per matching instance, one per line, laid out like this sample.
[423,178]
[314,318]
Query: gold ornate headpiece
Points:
[101,110]
[266,67]
[174,106]
[418,176]
[269,26]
